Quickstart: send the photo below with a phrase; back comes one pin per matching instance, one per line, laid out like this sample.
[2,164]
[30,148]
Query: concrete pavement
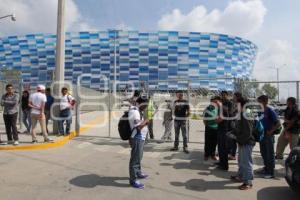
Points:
[93,166]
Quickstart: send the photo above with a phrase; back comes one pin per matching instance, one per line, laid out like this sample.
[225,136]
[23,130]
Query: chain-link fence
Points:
[198,93]
[101,107]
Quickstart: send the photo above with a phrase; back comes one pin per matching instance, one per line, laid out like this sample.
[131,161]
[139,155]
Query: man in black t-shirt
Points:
[181,112]
[224,126]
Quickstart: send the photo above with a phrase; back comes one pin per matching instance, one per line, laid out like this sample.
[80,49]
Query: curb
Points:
[55,144]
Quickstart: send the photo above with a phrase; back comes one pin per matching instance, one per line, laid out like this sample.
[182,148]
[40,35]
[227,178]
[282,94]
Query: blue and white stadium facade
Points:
[141,57]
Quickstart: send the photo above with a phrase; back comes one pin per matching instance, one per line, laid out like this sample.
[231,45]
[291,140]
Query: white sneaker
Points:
[48,140]
[16,142]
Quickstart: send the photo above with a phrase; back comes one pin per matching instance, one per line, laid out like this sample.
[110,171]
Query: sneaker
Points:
[137,185]
[214,158]
[174,149]
[161,141]
[260,172]
[268,176]
[10,142]
[16,142]
[245,187]
[143,176]
[278,157]
[222,168]
[48,140]
[3,143]
[236,179]
[185,150]
[231,157]
[34,141]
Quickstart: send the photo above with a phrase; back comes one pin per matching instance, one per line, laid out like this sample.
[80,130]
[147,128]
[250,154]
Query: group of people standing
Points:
[230,122]
[36,108]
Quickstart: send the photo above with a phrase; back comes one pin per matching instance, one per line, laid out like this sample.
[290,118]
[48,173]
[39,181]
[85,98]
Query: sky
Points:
[271,24]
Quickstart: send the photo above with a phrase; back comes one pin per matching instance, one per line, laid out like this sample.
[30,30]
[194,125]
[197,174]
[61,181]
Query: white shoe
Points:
[16,143]
[48,140]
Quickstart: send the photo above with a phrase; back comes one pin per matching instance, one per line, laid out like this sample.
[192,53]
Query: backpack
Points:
[124,126]
[258,131]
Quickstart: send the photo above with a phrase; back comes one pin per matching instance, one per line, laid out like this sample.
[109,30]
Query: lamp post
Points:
[277,79]
[60,57]
[115,56]
[12,17]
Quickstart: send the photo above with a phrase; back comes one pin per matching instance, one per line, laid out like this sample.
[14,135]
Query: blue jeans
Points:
[245,163]
[267,153]
[137,149]
[180,124]
[66,116]
[26,119]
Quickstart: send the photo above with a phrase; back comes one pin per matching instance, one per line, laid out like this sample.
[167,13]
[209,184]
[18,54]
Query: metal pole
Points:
[13,18]
[77,111]
[277,70]
[188,120]
[20,105]
[109,110]
[115,61]
[298,93]
[60,57]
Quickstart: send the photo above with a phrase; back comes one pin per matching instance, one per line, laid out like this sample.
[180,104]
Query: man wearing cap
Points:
[37,103]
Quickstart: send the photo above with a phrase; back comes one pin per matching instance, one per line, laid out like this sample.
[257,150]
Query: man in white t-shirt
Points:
[139,132]
[37,103]
[66,104]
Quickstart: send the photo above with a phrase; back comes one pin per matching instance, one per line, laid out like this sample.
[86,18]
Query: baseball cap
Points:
[40,87]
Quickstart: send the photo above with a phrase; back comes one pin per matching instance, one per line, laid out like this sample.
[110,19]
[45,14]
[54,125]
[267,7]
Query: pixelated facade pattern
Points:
[141,57]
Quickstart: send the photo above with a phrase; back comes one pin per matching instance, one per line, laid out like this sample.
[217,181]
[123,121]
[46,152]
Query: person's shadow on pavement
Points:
[93,180]
[276,193]
[201,185]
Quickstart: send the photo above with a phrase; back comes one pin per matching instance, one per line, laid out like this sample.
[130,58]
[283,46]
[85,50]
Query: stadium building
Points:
[150,57]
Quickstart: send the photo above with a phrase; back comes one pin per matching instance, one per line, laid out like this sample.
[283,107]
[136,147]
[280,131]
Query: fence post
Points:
[297,94]
[188,120]
[20,104]
[109,111]
[77,111]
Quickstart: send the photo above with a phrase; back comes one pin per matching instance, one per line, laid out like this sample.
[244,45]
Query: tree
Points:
[249,88]
[270,90]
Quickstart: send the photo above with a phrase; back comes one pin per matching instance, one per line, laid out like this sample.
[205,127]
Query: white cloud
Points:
[241,18]
[124,27]
[39,16]
[278,53]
